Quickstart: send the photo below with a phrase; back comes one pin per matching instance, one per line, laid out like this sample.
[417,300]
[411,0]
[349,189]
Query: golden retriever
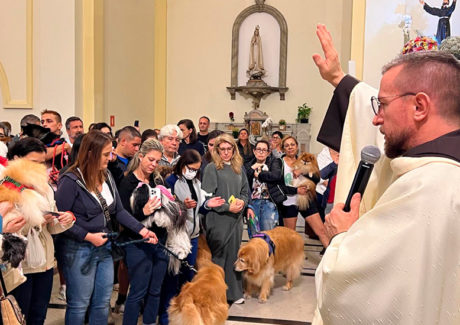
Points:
[306,165]
[259,268]
[204,300]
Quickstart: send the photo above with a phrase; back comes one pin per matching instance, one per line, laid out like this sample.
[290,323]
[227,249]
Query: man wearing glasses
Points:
[398,263]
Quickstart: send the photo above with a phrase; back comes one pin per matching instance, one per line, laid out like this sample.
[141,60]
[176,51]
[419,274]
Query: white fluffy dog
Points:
[172,215]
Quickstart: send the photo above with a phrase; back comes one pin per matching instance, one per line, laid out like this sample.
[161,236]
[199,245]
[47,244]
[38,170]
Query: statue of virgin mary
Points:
[256,62]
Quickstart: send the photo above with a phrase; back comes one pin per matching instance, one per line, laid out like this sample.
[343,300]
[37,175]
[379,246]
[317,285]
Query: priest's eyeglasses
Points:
[377,104]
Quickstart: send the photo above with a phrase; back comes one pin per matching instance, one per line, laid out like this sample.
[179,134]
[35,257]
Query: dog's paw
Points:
[246,295]
[287,287]
[262,300]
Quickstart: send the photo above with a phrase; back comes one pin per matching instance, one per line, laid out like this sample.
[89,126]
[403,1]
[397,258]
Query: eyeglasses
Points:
[276,137]
[225,149]
[260,150]
[376,102]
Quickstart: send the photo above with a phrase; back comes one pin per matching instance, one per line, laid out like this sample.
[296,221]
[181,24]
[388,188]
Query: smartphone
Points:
[155,192]
[136,123]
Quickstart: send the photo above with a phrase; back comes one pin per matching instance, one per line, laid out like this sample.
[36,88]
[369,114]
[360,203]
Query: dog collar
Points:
[268,240]
[12,184]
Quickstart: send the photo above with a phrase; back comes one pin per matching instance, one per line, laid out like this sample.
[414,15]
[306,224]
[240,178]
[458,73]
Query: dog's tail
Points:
[303,202]
[182,311]
[204,252]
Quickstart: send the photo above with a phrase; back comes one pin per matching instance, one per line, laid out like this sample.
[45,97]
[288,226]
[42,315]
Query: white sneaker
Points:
[239,301]
[119,308]
[62,295]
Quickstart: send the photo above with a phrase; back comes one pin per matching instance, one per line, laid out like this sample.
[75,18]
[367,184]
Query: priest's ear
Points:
[422,106]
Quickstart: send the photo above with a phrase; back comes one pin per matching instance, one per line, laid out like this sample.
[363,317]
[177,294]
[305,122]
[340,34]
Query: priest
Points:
[394,257]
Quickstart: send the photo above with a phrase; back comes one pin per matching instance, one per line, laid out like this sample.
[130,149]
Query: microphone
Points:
[369,156]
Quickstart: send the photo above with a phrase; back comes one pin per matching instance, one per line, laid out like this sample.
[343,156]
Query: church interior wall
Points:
[199,56]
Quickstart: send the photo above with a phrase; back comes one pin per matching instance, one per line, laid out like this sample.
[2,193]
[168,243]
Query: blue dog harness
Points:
[268,240]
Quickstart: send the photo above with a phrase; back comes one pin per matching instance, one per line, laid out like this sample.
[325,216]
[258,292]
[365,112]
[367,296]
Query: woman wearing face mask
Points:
[185,184]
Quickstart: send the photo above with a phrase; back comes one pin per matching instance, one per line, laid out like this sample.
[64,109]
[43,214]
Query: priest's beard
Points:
[396,145]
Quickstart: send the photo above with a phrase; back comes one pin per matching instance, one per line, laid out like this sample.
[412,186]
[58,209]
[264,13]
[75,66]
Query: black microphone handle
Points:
[359,182]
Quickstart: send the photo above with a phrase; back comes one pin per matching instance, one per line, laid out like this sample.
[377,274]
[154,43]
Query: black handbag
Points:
[276,194]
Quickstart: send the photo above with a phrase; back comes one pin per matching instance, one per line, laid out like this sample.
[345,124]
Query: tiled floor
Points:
[294,307]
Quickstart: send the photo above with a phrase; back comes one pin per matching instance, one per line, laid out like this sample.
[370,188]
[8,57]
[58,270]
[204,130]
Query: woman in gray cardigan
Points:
[224,177]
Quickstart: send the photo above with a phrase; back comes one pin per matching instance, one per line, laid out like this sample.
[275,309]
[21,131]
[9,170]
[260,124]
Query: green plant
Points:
[282,122]
[235,133]
[303,112]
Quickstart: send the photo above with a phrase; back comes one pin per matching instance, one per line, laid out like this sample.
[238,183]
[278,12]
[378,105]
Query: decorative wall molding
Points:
[9,102]
[262,8]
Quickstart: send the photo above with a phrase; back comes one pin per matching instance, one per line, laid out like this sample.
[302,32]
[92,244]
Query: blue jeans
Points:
[173,283]
[88,271]
[267,212]
[147,265]
[34,295]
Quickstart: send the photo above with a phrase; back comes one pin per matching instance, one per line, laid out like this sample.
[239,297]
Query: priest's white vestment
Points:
[400,261]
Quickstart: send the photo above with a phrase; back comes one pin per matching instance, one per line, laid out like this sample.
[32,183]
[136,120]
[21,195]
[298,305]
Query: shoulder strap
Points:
[3,290]
[105,209]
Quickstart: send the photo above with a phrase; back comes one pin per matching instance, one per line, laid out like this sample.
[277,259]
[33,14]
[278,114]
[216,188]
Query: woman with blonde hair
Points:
[147,264]
[225,177]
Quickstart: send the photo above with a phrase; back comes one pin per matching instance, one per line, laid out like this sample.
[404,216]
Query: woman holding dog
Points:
[288,209]
[147,264]
[34,294]
[225,177]
[89,191]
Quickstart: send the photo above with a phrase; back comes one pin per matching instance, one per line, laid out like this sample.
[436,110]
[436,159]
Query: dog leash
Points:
[113,235]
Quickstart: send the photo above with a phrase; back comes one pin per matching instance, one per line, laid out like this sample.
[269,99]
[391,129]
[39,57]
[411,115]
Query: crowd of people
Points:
[94,179]
[397,242]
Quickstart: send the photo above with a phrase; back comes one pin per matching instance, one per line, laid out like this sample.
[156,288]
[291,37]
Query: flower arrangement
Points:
[231,116]
[421,43]
[282,122]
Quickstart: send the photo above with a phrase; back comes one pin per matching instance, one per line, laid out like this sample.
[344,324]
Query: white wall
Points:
[53,58]
[199,58]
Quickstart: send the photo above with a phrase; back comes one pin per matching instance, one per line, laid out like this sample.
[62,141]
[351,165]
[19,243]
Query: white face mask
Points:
[189,174]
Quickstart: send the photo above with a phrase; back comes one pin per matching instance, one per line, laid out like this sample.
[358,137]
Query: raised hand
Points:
[329,66]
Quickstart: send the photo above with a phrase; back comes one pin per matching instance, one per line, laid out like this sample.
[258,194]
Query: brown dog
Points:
[306,166]
[25,184]
[259,268]
[204,300]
